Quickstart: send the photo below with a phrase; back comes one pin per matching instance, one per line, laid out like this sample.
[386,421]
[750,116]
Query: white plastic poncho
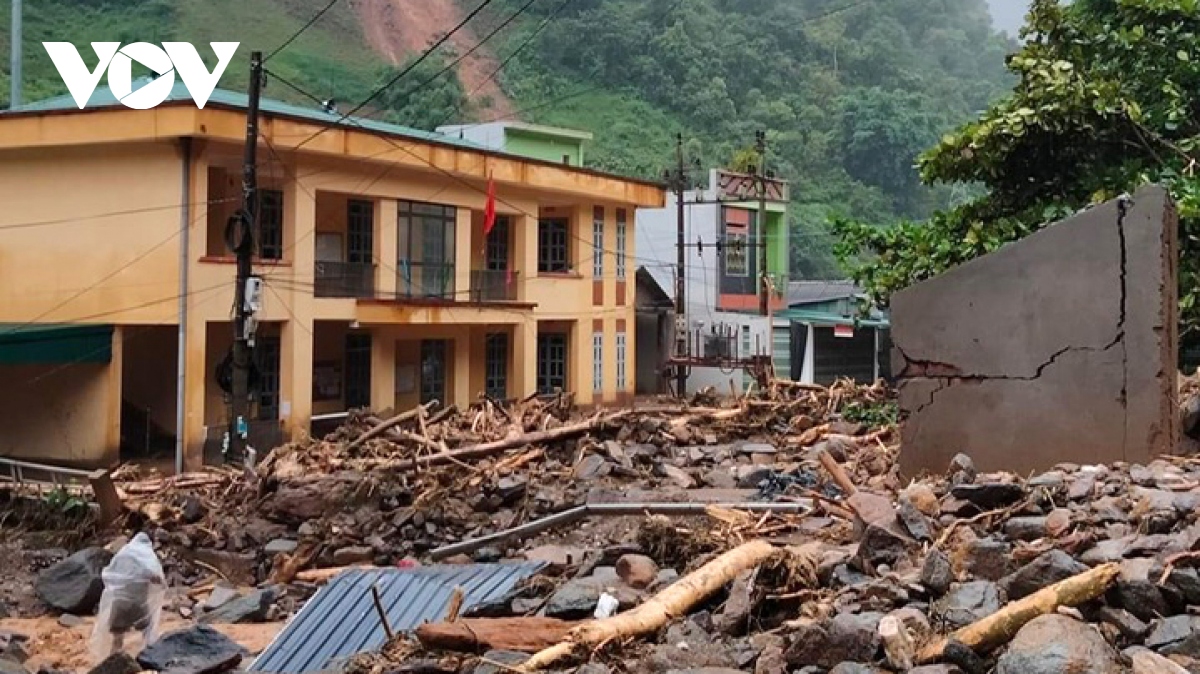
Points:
[134,589]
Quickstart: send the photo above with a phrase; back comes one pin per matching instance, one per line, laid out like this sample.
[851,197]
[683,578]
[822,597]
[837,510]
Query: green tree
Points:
[1106,101]
[425,97]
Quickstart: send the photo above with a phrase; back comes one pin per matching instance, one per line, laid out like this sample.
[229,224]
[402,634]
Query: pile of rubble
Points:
[771,534]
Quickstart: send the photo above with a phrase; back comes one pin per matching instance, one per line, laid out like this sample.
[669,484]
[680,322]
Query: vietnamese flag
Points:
[489,211]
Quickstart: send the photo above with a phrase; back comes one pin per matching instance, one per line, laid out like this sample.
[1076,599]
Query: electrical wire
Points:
[298,33]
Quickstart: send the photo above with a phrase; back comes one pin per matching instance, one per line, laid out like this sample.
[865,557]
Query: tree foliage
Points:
[1107,100]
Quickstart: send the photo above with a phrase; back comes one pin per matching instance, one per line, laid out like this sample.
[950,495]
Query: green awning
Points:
[54,343]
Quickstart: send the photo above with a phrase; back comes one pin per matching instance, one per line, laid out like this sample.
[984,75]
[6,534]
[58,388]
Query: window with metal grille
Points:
[551,362]
[598,361]
[598,242]
[621,241]
[433,370]
[496,247]
[552,245]
[270,224]
[620,361]
[496,366]
[266,352]
[425,249]
[360,230]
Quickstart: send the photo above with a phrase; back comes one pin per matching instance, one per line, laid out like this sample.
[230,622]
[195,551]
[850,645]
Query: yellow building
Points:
[379,287]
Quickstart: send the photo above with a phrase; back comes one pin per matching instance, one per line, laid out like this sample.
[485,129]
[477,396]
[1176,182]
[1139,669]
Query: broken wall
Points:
[1060,347]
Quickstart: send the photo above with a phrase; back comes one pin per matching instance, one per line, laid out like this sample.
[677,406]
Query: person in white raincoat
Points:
[134,589]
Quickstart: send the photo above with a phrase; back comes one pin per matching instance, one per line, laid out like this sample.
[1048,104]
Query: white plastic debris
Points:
[606,607]
[134,589]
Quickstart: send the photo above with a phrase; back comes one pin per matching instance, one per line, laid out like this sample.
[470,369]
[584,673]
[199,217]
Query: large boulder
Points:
[74,585]
[1054,644]
[199,650]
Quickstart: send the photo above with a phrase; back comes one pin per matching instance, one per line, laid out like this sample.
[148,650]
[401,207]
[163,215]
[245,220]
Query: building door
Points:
[551,362]
[358,370]
[433,370]
[267,352]
[496,366]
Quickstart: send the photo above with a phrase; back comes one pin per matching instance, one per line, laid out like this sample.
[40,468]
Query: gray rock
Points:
[936,669]
[705,670]
[1131,629]
[354,554]
[735,613]
[575,600]
[592,467]
[750,477]
[593,668]
[193,510]
[280,546]
[12,667]
[757,448]
[988,559]
[1177,635]
[117,663]
[914,520]
[855,668]
[1184,582]
[510,658]
[989,495]
[198,650]
[70,621]
[1148,662]
[966,603]
[680,477]
[74,585]
[1047,569]
[883,545]
[1054,644]
[1136,593]
[962,470]
[222,593]
[1111,550]
[936,573]
[638,571]
[253,607]
[1025,528]
[854,638]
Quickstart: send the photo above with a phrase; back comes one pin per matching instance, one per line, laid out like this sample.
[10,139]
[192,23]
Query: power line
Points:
[378,92]
[302,29]
[112,214]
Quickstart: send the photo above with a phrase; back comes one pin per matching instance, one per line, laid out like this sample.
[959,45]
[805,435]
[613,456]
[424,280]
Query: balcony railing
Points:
[423,279]
[489,285]
[344,279]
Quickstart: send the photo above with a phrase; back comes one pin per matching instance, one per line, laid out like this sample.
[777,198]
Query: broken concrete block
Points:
[1060,347]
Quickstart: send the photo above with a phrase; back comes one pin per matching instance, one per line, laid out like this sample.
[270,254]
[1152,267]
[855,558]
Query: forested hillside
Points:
[849,91]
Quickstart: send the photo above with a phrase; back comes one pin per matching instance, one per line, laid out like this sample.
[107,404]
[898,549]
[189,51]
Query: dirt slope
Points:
[398,28]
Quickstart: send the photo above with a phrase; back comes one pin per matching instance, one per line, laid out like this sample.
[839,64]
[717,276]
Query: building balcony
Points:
[344,279]
[489,285]
[425,280]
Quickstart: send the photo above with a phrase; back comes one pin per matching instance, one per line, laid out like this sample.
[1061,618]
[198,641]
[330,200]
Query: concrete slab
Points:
[1058,347]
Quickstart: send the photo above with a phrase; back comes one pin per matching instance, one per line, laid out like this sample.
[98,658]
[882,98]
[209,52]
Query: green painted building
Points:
[547,143]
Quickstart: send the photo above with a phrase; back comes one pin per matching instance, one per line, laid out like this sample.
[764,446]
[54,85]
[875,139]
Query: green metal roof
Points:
[48,343]
[103,97]
[823,318]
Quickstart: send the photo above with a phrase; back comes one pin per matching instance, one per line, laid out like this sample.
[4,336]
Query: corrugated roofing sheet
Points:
[341,621]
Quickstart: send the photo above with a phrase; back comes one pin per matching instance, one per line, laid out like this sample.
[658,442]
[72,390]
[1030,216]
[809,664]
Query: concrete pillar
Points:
[462,394]
[462,254]
[524,254]
[383,370]
[579,361]
[296,343]
[197,379]
[386,242]
[523,367]
[112,419]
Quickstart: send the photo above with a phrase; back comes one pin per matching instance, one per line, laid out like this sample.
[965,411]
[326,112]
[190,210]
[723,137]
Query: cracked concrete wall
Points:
[1060,347]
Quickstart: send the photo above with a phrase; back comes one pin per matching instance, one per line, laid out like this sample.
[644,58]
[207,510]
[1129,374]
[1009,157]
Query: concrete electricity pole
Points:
[678,180]
[14,98]
[243,338]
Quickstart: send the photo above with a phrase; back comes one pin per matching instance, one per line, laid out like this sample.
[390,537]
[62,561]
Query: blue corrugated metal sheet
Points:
[341,621]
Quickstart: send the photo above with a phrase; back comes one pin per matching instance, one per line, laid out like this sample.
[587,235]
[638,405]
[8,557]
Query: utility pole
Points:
[243,338]
[681,324]
[760,144]
[14,98]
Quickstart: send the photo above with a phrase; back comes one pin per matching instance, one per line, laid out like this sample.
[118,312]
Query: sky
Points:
[1008,15]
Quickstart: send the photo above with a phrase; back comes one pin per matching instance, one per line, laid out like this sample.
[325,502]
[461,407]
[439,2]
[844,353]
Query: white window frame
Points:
[598,362]
[598,243]
[621,361]
[621,241]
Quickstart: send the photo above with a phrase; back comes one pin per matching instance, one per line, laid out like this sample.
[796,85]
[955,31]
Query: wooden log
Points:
[897,643]
[1000,627]
[837,473]
[715,415]
[677,600]
[111,507]
[482,634]
[382,427]
[537,437]
[325,575]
